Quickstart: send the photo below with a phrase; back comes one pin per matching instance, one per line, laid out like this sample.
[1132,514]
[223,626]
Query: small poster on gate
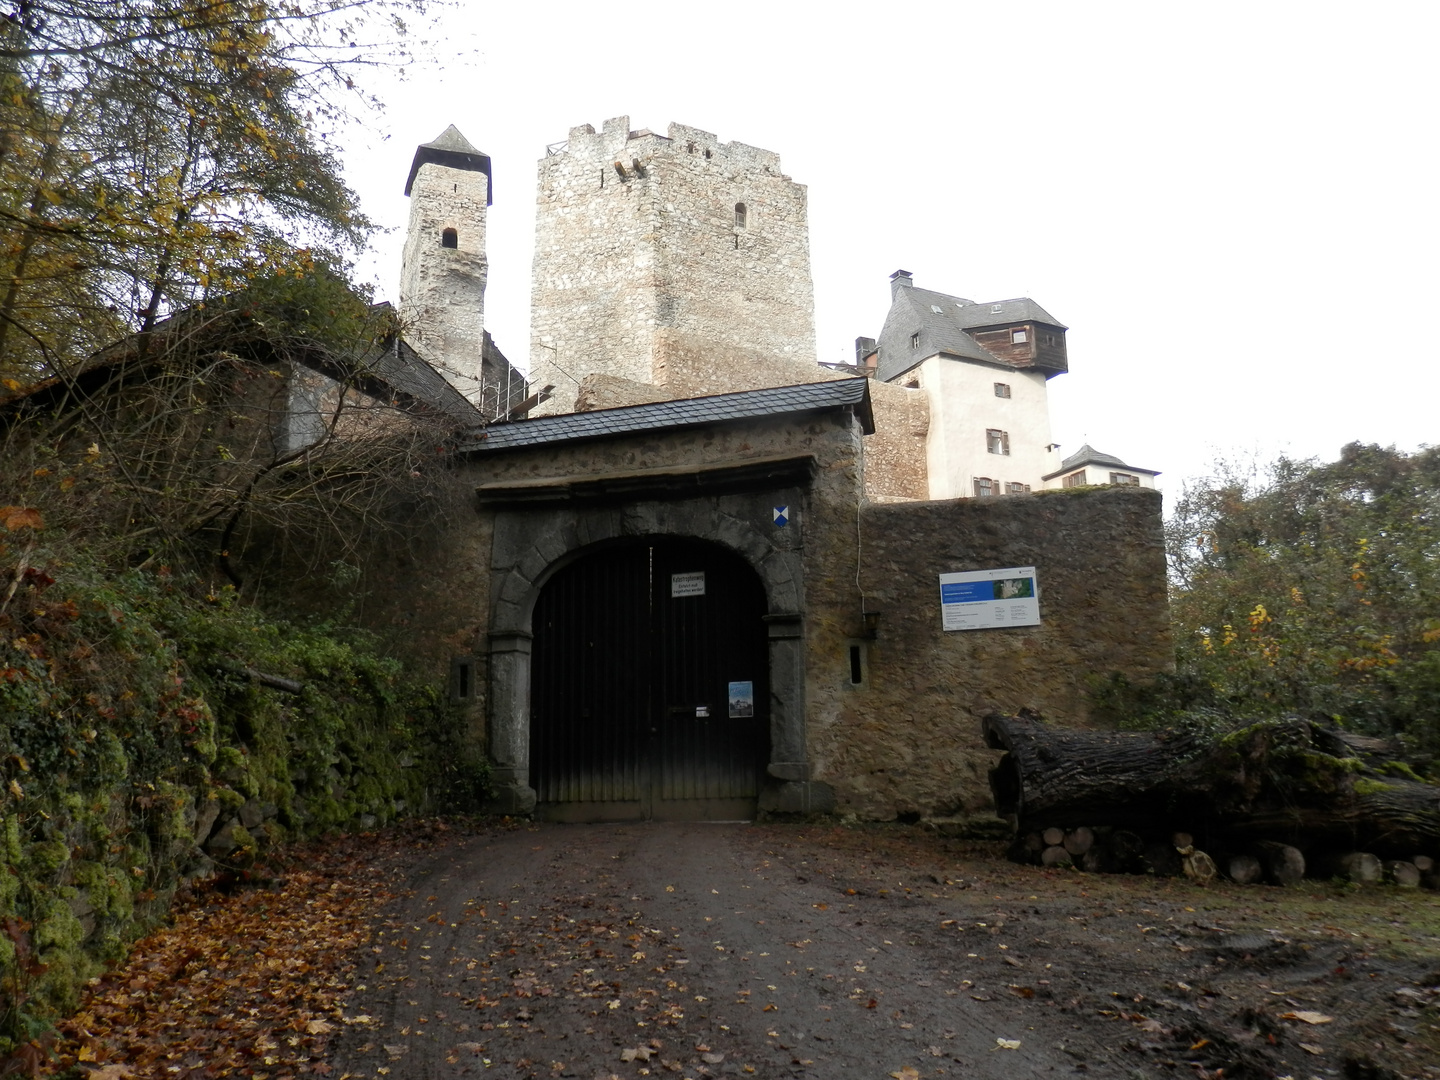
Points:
[985,599]
[691,584]
[742,699]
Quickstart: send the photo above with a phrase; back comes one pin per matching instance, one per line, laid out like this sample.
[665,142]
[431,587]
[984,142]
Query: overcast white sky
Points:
[1231,205]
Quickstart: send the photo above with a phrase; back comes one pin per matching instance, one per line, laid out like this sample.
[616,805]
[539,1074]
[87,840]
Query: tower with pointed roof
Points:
[442,279]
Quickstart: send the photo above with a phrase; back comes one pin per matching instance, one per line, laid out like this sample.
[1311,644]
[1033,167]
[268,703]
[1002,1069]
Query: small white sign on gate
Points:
[692,584]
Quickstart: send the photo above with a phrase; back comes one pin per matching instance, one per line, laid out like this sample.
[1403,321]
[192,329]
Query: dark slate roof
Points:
[687,412]
[454,151]
[973,316]
[402,369]
[1088,455]
[943,322]
[387,371]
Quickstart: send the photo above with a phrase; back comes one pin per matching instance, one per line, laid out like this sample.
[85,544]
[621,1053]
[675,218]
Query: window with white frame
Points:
[1125,478]
[1015,488]
[996,441]
[984,486]
[1019,337]
[1075,479]
[915,340]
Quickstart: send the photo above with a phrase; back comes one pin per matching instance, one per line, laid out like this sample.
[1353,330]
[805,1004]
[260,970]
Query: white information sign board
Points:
[984,599]
[691,584]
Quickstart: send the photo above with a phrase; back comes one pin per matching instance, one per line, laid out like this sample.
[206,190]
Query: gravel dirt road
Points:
[785,950]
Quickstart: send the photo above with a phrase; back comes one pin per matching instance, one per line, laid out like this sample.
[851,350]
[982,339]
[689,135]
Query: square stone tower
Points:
[650,246]
[442,279]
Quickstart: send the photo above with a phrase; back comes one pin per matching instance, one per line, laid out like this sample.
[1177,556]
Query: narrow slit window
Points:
[741,215]
[450,239]
[462,679]
[857,670]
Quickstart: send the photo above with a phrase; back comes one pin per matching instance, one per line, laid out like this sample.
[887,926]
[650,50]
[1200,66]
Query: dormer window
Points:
[915,340]
[1018,337]
[741,214]
[450,239]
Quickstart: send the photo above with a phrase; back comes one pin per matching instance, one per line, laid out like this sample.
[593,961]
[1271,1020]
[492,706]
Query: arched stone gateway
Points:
[562,566]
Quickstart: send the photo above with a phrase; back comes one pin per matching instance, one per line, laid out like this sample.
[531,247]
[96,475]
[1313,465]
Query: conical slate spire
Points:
[454,151]
[451,139]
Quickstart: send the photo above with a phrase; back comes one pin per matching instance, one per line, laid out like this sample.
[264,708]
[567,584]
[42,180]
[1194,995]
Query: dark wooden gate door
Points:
[650,693]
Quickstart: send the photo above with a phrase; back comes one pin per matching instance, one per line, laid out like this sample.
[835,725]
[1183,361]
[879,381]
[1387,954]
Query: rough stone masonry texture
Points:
[638,233]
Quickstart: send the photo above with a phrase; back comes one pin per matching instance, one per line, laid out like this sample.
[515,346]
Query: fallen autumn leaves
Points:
[250,984]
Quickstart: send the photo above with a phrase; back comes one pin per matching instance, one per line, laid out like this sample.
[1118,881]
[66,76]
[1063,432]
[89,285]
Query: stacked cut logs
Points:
[1275,801]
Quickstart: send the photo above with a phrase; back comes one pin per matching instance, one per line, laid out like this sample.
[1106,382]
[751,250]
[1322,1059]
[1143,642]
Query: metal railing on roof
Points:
[557,148]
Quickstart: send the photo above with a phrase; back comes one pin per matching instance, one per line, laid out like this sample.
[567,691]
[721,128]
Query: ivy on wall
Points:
[154,731]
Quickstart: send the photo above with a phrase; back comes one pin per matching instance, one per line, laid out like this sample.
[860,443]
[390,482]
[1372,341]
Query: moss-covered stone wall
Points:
[152,733]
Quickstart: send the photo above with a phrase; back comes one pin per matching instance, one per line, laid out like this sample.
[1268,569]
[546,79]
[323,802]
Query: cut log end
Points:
[1199,867]
[1284,865]
[1053,837]
[1402,873]
[1078,841]
[1055,856]
[1359,867]
[1244,869]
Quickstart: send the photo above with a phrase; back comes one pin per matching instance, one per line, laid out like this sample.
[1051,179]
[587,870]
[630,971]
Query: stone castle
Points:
[705,575]
[677,266]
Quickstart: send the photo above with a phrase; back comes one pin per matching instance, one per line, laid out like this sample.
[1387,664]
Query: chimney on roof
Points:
[865,348]
[900,279]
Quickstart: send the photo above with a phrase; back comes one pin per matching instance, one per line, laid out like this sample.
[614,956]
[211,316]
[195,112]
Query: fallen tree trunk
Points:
[1052,778]
[1288,781]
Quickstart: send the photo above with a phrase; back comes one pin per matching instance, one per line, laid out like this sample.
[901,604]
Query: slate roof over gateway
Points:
[687,412]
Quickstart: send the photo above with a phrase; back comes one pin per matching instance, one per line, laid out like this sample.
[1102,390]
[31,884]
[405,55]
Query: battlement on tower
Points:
[617,139]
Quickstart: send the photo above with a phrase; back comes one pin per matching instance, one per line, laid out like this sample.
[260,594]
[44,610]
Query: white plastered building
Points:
[985,368]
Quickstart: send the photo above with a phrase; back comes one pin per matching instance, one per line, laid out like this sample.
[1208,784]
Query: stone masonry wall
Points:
[442,290]
[637,233]
[895,466]
[609,392]
[907,740]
